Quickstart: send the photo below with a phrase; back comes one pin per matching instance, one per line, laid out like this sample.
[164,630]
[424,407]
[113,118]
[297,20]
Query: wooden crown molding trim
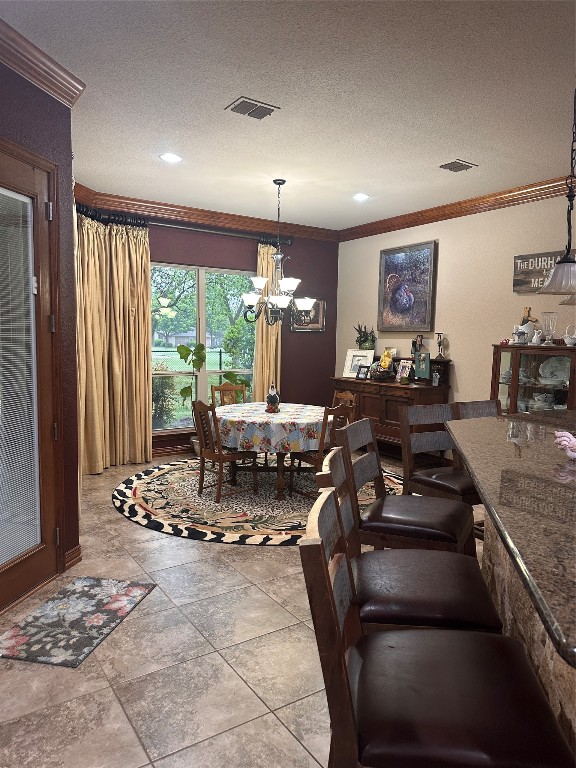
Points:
[83,195]
[30,62]
[528,194]
[182,214]
[199,216]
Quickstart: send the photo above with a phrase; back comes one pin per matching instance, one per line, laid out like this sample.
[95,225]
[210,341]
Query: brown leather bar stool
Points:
[406,586]
[420,698]
[446,481]
[400,521]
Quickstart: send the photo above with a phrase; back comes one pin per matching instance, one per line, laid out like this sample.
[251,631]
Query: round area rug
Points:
[165,499]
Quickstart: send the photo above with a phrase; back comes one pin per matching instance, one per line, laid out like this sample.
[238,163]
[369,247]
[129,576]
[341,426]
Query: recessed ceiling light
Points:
[168,157]
[360,197]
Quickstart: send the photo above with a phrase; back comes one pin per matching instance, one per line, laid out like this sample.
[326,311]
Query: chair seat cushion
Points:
[423,588]
[435,698]
[448,479]
[423,517]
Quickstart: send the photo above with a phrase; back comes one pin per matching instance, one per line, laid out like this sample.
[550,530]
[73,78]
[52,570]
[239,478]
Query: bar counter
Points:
[528,486]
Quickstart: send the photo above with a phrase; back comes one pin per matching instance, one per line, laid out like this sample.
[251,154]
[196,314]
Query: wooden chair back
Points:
[207,428]
[475,409]
[416,440]
[228,394]
[345,397]
[335,616]
[334,418]
[334,475]
[362,467]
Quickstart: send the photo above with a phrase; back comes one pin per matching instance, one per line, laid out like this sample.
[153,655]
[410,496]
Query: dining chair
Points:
[345,397]
[403,521]
[211,451]
[423,432]
[333,419]
[405,587]
[419,697]
[228,393]
[474,409]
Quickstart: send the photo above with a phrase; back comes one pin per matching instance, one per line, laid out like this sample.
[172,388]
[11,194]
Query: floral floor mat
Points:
[68,626]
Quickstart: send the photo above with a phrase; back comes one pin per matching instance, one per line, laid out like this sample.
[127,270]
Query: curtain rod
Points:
[264,239]
[111,217]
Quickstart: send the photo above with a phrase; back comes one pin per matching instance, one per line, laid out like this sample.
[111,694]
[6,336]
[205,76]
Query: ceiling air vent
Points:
[251,108]
[458,165]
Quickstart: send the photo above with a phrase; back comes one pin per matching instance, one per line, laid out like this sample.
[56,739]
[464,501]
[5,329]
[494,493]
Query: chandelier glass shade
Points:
[562,279]
[280,296]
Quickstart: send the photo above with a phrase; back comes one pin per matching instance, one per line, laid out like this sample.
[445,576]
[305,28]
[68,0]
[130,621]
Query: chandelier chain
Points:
[570,184]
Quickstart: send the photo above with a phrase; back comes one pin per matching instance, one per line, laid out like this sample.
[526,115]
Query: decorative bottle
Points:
[273,400]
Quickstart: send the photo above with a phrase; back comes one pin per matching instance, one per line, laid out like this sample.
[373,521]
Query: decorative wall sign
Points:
[531,270]
[406,287]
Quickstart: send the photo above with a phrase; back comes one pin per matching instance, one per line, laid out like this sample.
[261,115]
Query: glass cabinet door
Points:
[543,382]
[505,379]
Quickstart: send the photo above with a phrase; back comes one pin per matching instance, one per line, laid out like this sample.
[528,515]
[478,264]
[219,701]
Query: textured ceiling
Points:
[373,97]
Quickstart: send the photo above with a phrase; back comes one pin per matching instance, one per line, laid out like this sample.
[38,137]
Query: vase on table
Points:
[272,400]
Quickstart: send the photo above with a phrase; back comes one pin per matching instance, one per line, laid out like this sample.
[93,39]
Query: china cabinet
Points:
[534,379]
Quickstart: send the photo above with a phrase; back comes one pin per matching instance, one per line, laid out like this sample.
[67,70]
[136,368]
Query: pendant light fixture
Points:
[280,297]
[562,279]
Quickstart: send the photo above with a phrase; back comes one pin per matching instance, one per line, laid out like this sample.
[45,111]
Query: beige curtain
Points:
[114,337]
[268,338]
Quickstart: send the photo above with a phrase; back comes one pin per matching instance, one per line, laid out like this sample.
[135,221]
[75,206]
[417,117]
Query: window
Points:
[196,305]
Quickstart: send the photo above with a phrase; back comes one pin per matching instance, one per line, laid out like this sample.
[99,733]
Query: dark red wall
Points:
[34,120]
[308,359]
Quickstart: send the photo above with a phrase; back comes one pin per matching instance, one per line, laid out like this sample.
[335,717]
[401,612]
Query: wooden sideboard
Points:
[379,401]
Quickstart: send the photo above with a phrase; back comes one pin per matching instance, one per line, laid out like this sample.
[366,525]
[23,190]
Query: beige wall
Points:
[475,304]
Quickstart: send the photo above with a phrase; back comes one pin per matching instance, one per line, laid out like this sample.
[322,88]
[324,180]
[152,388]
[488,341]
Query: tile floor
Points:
[218,665]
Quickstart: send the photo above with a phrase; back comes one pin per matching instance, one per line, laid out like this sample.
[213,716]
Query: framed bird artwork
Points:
[407,287]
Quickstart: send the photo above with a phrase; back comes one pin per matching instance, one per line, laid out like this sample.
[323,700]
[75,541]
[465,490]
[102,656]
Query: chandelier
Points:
[562,279]
[280,295]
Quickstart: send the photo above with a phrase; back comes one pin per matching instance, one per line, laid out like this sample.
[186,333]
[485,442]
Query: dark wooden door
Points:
[30,466]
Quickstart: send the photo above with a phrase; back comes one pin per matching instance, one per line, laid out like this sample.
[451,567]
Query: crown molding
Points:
[529,194]
[84,195]
[182,214]
[30,62]
[198,216]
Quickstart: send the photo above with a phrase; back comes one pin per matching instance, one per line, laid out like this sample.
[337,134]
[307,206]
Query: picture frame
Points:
[404,368]
[355,358]
[422,365]
[317,318]
[363,372]
[407,287]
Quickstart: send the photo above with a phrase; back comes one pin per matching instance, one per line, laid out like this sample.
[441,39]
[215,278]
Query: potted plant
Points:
[194,356]
[365,339]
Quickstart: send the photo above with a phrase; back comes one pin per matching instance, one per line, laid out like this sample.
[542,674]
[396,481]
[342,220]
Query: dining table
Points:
[249,427]
[528,486]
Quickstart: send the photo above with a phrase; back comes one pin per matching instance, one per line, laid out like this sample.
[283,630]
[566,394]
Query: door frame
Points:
[32,175]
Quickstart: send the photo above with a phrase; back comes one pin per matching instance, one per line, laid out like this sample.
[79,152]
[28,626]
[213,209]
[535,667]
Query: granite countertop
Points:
[528,486]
